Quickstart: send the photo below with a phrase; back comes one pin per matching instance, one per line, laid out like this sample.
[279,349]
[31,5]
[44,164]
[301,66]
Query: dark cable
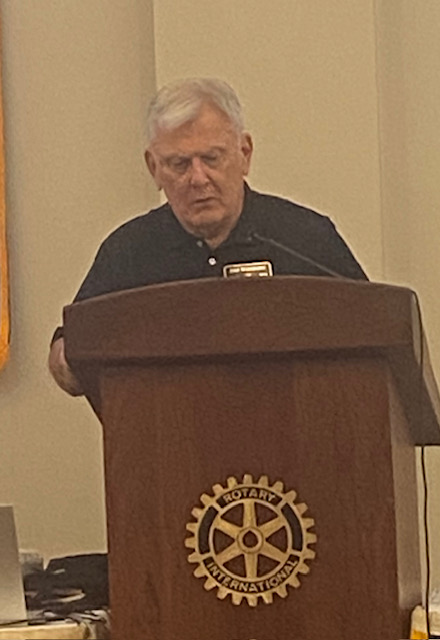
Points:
[426,532]
[424,471]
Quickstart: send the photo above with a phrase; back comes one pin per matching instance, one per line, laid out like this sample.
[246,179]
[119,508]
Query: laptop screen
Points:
[12,602]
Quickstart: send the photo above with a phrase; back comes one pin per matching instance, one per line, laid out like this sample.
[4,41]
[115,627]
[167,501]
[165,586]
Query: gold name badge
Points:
[248,270]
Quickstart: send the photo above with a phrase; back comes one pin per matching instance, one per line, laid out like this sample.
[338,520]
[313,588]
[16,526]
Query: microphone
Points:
[296,254]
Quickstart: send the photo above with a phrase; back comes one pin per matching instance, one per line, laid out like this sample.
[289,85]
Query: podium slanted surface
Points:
[259,452]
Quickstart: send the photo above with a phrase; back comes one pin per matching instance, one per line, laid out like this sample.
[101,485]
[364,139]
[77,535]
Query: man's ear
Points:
[247,147]
[152,167]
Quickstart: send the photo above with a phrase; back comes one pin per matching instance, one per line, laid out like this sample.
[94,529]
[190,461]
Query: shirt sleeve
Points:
[98,281]
[338,255]
[100,278]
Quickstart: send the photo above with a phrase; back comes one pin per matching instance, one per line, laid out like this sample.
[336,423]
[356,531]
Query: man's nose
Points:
[198,174]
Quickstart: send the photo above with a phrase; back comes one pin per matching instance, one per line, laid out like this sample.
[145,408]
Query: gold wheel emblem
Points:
[250,540]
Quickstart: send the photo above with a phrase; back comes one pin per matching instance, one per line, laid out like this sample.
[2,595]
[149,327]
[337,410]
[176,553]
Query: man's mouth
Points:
[204,200]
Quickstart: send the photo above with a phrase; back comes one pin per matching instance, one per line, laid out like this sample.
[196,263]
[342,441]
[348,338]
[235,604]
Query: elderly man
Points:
[200,154]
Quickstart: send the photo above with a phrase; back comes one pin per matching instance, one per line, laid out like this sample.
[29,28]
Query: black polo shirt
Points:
[154,247]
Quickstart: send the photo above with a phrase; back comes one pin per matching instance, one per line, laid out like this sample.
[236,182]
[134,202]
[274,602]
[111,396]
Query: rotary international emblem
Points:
[250,540]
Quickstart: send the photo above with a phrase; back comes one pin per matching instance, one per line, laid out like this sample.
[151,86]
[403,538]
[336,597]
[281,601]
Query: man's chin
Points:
[206,215]
[206,222]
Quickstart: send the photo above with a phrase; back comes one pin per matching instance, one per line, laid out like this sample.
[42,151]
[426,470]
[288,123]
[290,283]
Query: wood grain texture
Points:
[301,380]
[197,319]
[321,427]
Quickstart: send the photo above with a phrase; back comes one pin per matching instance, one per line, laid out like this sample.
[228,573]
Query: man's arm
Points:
[61,371]
[97,282]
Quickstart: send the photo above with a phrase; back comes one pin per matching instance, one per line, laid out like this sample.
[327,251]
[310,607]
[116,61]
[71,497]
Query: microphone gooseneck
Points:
[297,254]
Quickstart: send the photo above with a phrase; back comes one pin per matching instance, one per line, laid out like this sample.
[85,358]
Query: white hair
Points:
[180,101]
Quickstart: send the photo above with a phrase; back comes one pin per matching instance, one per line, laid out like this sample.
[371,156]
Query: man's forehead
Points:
[210,128]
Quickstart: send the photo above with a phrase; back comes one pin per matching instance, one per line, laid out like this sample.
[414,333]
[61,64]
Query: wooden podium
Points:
[227,405]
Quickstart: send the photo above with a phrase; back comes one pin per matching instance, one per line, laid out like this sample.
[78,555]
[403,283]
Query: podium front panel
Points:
[176,431]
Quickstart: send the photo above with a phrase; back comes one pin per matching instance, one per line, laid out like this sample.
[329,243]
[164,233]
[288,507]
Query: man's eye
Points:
[212,159]
[179,164]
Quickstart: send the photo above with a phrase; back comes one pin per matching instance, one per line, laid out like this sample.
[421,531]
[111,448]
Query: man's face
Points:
[201,166]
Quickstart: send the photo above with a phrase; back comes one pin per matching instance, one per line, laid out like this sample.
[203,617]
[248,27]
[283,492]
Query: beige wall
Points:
[410,122]
[342,100]
[409,54]
[77,75]
[306,74]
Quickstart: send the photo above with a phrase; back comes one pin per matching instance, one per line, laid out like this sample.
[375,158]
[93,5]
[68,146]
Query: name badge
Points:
[248,270]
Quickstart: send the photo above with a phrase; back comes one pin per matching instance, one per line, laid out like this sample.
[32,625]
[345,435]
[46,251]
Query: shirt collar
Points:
[241,233]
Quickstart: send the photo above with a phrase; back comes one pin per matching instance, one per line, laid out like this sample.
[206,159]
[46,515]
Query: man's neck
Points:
[216,236]
[218,239]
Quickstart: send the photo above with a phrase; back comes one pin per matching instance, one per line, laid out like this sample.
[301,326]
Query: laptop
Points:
[12,602]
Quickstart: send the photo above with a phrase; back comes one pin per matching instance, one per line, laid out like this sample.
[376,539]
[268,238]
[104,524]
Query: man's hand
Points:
[61,371]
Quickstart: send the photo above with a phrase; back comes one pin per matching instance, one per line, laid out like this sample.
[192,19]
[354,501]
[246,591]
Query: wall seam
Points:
[375,9]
